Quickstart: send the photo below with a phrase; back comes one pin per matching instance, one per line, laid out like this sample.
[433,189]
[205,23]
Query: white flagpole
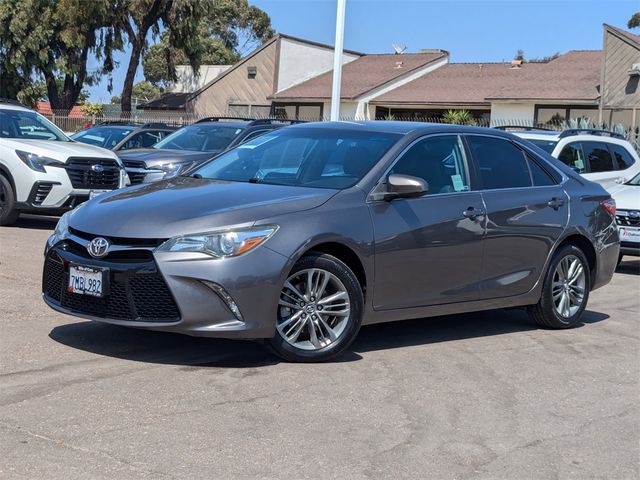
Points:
[337,61]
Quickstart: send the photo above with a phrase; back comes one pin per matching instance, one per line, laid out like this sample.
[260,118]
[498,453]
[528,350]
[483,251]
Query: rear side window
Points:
[598,156]
[501,163]
[572,156]
[622,157]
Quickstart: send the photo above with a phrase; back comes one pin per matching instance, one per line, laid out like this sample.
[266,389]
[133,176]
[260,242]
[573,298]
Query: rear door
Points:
[527,211]
[428,250]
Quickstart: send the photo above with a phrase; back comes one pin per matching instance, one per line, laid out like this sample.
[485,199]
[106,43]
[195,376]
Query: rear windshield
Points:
[201,138]
[309,157]
[546,145]
[106,137]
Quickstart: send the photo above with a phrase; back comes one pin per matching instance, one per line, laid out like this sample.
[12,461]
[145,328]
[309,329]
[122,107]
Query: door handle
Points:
[555,203]
[472,213]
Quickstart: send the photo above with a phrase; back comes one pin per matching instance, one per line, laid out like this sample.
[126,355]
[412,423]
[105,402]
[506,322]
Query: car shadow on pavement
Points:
[629,267]
[36,222]
[175,349]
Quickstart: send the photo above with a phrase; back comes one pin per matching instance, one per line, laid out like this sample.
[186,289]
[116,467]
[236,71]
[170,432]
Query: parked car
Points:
[300,236]
[627,197]
[191,145]
[600,156]
[43,171]
[118,136]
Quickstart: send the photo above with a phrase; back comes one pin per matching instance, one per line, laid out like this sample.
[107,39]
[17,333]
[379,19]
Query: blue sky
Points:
[471,30]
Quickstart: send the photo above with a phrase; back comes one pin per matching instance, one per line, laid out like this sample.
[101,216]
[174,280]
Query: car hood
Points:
[154,156]
[627,197]
[58,150]
[185,205]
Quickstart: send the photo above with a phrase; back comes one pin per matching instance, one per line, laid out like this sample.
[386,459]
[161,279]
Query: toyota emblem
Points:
[98,247]
[97,168]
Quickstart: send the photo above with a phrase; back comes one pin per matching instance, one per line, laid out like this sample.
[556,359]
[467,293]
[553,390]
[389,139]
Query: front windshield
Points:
[546,145]
[310,157]
[201,138]
[25,124]
[106,137]
[635,181]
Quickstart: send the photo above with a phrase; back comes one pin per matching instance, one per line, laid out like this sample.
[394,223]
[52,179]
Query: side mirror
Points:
[405,186]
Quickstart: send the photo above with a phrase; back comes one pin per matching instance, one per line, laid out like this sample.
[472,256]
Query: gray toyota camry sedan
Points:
[300,236]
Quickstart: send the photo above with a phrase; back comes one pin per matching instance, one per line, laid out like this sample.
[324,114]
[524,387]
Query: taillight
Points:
[610,206]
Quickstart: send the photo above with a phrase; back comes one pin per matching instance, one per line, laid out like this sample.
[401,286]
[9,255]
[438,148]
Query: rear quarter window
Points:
[572,156]
[622,157]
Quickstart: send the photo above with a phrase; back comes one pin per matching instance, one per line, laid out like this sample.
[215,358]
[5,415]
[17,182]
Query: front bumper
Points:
[167,291]
[630,248]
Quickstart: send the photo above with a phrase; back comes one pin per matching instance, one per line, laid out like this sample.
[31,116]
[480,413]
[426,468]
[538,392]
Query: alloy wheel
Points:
[314,309]
[568,286]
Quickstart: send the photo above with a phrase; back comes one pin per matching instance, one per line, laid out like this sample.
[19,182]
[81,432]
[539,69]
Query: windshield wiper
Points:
[255,180]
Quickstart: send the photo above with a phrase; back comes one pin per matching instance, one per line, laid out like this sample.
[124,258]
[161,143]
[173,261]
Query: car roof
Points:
[11,106]
[402,128]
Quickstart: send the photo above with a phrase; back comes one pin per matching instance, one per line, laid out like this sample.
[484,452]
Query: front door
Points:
[428,250]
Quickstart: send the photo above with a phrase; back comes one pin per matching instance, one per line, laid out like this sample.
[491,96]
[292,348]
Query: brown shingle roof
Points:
[572,76]
[361,75]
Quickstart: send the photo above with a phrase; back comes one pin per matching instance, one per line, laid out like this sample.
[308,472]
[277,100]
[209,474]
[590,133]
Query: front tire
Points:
[319,310]
[8,213]
[566,290]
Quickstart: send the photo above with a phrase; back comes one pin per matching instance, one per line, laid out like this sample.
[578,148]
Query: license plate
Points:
[95,193]
[629,234]
[85,280]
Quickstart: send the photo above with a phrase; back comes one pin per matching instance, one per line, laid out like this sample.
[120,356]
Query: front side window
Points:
[28,125]
[105,137]
[309,157]
[623,158]
[598,157]
[573,157]
[438,160]
[143,140]
[501,163]
[201,138]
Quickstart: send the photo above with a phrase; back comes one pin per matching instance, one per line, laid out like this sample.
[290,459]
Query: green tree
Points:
[37,92]
[234,22]
[53,40]
[519,55]
[634,21]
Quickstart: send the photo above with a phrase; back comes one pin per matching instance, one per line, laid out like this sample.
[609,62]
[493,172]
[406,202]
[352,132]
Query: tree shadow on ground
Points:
[175,349]
[36,222]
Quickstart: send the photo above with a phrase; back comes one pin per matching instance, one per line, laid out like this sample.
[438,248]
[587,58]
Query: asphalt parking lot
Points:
[485,396]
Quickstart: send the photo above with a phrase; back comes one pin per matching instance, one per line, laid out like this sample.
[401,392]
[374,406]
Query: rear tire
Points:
[619,260]
[8,213]
[565,292]
[306,331]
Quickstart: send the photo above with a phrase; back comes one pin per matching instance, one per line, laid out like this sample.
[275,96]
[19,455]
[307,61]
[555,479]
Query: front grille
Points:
[136,177]
[42,190]
[136,292]
[626,219]
[137,242]
[88,173]
[134,164]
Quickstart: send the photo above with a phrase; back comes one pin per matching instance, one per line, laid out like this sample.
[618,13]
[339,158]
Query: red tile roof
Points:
[44,108]
[361,75]
[572,76]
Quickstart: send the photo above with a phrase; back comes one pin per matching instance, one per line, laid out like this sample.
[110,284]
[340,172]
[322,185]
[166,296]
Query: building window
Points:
[556,115]
[298,111]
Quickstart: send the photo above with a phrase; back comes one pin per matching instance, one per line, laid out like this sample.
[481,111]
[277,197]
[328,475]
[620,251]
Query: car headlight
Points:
[62,230]
[36,162]
[230,243]
[178,168]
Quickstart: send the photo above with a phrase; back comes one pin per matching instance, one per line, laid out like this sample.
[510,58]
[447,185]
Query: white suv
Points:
[44,171]
[600,156]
